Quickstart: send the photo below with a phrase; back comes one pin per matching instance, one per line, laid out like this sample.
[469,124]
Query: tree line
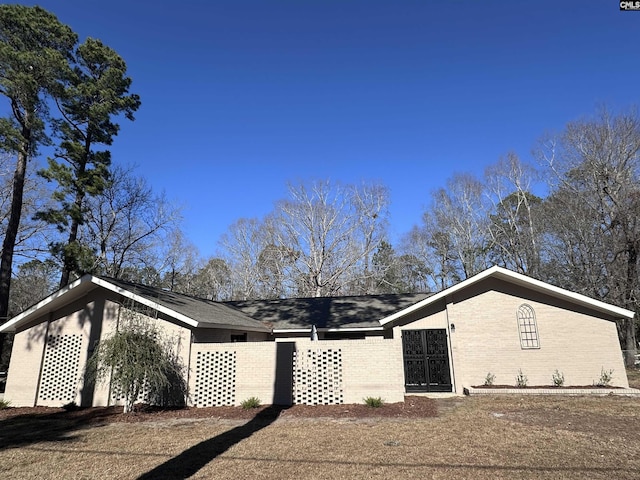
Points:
[570,217]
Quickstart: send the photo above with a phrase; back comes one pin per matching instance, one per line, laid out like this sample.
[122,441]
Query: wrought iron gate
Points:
[426,360]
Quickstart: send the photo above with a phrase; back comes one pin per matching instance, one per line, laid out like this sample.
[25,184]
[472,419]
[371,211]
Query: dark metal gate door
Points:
[426,360]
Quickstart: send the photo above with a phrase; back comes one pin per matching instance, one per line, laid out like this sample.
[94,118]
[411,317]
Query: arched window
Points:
[527,327]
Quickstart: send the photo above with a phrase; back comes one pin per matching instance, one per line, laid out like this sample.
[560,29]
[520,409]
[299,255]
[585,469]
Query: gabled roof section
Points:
[327,313]
[191,311]
[516,279]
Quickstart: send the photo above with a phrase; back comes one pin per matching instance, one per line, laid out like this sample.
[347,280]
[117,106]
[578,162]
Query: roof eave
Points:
[145,301]
[29,314]
[87,280]
[229,326]
[519,279]
[333,329]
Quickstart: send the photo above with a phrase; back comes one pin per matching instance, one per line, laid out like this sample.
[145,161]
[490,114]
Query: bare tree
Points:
[334,230]
[33,281]
[33,235]
[243,245]
[128,223]
[428,250]
[318,242]
[181,261]
[274,267]
[594,211]
[213,281]
[453,238]
[513,228]
[394,273]
[370,203]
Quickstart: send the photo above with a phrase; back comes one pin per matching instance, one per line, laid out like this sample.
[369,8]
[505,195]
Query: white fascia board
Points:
[517,278]
[89,279]
[145,301]
[566,294]
[16,321]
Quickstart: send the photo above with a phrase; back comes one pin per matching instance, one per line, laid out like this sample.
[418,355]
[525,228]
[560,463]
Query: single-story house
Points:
[497,323]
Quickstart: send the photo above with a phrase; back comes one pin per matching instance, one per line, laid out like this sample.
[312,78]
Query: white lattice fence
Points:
[215,379]
[60,368]
[317,376]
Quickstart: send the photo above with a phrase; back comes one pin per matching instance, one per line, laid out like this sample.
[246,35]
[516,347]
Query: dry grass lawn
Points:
[473,437]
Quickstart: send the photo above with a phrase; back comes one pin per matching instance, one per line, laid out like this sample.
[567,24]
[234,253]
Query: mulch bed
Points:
[412,407]
[528,387]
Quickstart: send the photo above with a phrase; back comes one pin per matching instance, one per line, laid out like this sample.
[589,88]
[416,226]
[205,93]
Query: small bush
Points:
[4,404]
[249,403]
[373,402]
[489,379]
[558,378]
[521,379]
[605,378]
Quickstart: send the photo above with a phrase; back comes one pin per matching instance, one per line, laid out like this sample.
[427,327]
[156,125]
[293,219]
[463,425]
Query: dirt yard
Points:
[471,437]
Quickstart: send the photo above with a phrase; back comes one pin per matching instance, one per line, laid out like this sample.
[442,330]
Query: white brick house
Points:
[497,322]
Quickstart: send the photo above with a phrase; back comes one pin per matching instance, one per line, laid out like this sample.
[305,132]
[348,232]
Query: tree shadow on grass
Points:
[54,426]
[193,459]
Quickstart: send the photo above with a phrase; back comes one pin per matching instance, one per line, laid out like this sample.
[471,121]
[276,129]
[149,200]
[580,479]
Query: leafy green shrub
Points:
[251,402]
[139,357]
[4,404]
[489,379]
[521,379]
[605,378]
[373,402]
[558,378]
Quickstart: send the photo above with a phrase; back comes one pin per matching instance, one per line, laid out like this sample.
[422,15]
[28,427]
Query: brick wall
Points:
[371,367]
[59,347]
[24,369]
[574,340]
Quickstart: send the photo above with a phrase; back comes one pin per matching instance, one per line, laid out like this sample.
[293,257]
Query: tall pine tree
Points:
[35,49]
[96,93]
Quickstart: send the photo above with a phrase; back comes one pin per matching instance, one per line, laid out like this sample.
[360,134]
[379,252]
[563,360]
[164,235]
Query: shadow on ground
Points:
[20,430]
[193,459]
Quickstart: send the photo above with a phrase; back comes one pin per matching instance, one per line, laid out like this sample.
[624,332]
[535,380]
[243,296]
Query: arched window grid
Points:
[527,327]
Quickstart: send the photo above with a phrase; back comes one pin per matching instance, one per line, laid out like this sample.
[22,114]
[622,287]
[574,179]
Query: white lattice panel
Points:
[215,379]
[317,377]
[60,369]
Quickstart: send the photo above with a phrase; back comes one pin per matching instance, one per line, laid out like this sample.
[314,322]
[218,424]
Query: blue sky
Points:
[240,97]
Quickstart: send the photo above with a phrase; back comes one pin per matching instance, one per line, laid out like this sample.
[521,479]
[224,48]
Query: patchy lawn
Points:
[476,437]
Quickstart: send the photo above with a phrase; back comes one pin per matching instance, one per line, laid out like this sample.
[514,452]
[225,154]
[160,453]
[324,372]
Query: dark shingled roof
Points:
[327,312]
[201,310]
